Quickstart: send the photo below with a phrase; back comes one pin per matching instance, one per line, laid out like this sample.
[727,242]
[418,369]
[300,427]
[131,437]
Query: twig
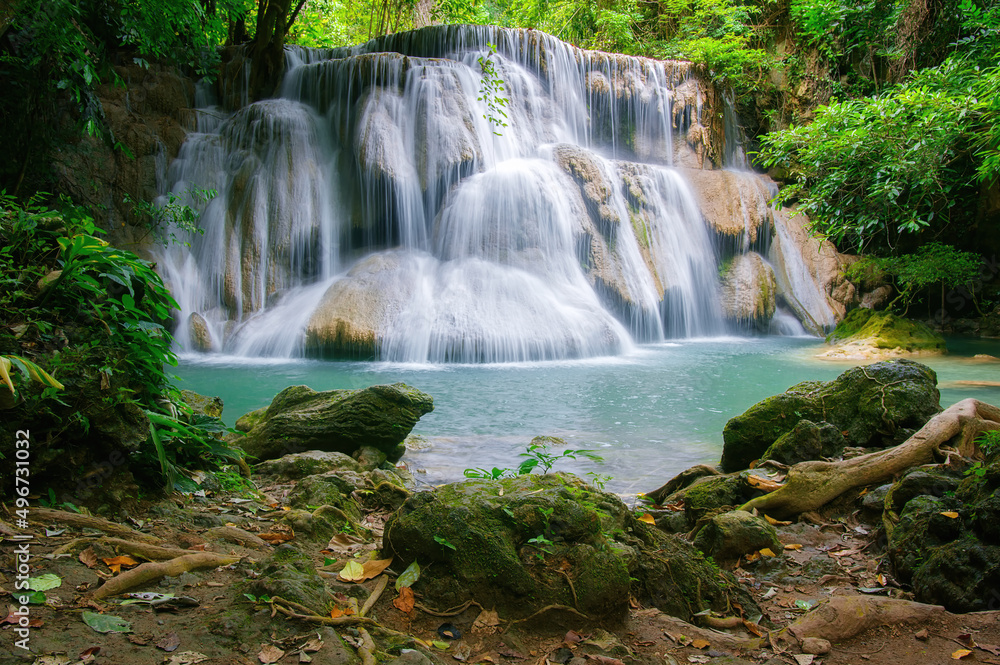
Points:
[279,604]
[373,598]
[454,611]
[565,608]
[576,602]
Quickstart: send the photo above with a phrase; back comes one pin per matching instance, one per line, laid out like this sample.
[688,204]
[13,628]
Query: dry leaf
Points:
[488,622]
[648,519]
[88,558]
[701,644]
[774,522]
[793,546]
[116,563]
[804,658]
[356,572]
[338,612]
[951,514]
[767,552]
[404,601]
[960,654]
[270,654]
[604,660]
[753,628]
[276,537]
[169,643]
[762,484]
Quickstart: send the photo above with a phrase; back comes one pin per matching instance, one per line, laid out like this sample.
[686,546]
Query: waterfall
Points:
[373,211]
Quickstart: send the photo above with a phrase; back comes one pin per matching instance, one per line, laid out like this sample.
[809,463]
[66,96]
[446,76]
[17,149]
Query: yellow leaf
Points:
[767,552]
[763,484]
[793,546]
[701,644]
[950,514]
[648,519]
[352,572]
[5,374]
[774,522]
[961,653]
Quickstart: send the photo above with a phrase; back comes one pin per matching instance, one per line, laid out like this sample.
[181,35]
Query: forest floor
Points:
[839,556]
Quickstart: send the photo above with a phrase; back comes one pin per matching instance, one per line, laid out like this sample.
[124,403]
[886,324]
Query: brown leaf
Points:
[270,654]
[374,567]
[762,484]
[88,558]
[701,644]
[116,563]
[276,537]
[753,628]
[604,660]
[404,601]
[960,654]
[89,652]
[338,612]
[647,518]
[995,650]
[950,513]
[774,522]
[488,622]
[169,643]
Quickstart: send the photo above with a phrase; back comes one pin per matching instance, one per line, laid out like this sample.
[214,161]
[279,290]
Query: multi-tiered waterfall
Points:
[373,210]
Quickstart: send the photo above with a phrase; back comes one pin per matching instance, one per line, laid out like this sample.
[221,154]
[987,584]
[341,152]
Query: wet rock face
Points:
[300,419]
[871,406]
[545,540]
[748,292]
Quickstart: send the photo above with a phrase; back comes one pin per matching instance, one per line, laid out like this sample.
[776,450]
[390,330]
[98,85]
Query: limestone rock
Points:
[730,535]
[806,441]
[201,335]
[309,463]
[868,404]
[748,291]
[300,419]
[733,203]
[201,405]
[866,334]
[474,542]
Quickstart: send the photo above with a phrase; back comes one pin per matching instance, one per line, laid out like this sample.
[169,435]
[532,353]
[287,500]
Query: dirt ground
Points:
[824,558]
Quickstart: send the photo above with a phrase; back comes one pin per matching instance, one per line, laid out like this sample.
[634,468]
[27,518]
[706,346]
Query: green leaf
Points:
[445,542]
[438,644]
[44,582]
[33,598]
[409,576]
[106,623]
[353,571]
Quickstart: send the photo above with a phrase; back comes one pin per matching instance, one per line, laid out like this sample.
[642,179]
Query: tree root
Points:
[367,649]
[48,515]
[373,598]
[451,612]
[144,550]
[843,617]
[287,607]
[151,571]
[811,485]
[549,608]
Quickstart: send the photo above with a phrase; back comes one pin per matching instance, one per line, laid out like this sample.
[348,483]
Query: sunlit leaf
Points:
[409,576]
[106,623]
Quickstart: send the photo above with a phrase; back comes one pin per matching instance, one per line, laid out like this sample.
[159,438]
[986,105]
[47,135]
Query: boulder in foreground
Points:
[301,419]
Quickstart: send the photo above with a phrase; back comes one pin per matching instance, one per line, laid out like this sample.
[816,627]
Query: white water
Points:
[375,198]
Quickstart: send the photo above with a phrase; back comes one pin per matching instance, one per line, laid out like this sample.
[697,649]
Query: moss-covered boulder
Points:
[806,441]
[520,544]
[866,334]
[301,419]
[871,406]
[292,575]
[730,535]
[202,405]
[309,463]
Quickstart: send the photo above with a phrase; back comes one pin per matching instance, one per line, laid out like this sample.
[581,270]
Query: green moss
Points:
[885,330]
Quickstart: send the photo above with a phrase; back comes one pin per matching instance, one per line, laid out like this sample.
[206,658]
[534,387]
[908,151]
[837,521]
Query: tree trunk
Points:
[267,53]
[811,485]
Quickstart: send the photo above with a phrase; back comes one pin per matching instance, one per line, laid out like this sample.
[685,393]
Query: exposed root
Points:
[48,515]
[367,649]
[143,550]
[287,607]
[149,572]
[549,608]
[811,485]
[373,598]
[454,611]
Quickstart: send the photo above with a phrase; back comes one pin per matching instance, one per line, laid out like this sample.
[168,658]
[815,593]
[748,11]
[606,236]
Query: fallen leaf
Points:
[701,644]
[169,643]
[952,515]
[186,658]
[604,660]
[572,637]
[404,601]
[106,623]
[806,604]
[374,567]
[116,563]
[270,654]
[763,484]
[698,658]
[352,572]
[312,646]
[753,628]
[487,622]
[774,522]
[804,658]
[44,582]
[966,640]
[88,558]
[409,576]
[648,519]
[793,546]
[438,644]
[90,652]
[338,612]
[995,650]
[276,537]
[767,552]
[960,654]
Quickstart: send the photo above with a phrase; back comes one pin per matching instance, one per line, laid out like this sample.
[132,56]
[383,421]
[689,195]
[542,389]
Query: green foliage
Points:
[539,456]
[491,91]
[989,443]
[178,213]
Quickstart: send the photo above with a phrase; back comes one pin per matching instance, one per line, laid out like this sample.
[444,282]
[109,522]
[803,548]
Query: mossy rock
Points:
[963,575]
[919,482]
[309,463]
[291,574]
[515,544]
[806,441]
[871,406]
[248,421]
[866,328]
[202,405]
[328,489]
[711,493]
[301,419]
[731,535]
[921,529]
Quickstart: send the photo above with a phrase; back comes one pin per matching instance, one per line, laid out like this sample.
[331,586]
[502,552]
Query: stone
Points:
[816,646]
[474,541]
[731,535]
[919,482]
[292,575]
[201,405]
[734,203]
[748,292]
[869,405]
[200,334]
[806,441]
[865,334]
[309,463]
[327,489]
[301,419]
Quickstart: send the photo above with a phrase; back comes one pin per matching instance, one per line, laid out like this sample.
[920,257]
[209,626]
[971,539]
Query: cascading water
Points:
[372,210]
